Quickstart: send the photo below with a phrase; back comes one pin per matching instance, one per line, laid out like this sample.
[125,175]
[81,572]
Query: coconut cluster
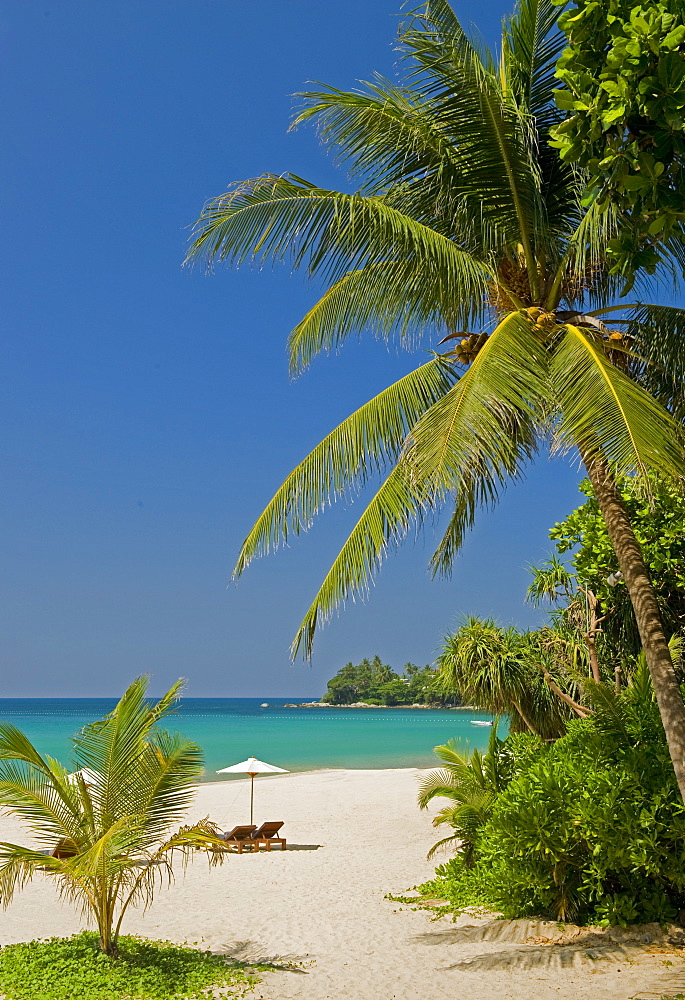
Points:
[467,348]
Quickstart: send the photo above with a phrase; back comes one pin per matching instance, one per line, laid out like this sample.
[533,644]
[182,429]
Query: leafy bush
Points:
[75,969]
[471,783]
[658,520]
[592,831]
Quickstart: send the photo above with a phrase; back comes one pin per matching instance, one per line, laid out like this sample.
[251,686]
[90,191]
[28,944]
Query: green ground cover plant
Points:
[75,968]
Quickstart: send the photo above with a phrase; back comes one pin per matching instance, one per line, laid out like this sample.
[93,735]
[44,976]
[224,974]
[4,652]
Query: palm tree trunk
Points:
[524,718]
[646,609]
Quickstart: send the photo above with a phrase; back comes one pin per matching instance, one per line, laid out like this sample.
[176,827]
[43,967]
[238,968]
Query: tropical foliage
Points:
[658,519]
[468,229]
[105,833]
[471,782]
[536,678]
[506,672]
[587,828]
[624,91]
[376,683]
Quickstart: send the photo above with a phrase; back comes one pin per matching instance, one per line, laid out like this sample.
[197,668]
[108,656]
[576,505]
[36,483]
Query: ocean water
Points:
[298,739]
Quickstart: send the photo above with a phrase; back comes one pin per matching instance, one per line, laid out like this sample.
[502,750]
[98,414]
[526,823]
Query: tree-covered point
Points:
[624,91]
[377,683]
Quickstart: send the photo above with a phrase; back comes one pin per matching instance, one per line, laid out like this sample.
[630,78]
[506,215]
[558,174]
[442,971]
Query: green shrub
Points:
[75,969]
[592,831]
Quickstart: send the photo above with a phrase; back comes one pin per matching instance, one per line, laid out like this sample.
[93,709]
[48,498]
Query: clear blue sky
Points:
[147,412]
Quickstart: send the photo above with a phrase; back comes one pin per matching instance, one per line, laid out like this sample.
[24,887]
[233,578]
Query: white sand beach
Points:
[353,836]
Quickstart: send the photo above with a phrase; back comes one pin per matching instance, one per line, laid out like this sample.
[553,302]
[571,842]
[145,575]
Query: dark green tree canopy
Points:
[377,683]
[624,89]
[659,523]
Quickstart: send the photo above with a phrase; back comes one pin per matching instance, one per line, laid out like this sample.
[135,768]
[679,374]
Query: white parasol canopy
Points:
[252,766]
[89,776]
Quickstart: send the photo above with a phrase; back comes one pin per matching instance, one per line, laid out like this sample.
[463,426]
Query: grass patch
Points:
[75,969]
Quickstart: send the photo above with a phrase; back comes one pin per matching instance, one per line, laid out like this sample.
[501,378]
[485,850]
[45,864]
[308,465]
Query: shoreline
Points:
[311,771]
[361,704]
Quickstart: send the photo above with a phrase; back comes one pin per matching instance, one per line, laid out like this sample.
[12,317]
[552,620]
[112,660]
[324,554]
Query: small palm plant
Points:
[106,830]
[502,670]
[471,783]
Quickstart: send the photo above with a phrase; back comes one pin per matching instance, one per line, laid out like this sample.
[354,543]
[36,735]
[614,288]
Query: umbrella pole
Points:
[251,798]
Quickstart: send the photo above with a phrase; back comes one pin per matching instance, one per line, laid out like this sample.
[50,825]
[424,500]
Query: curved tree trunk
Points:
[524,718]
[646,609]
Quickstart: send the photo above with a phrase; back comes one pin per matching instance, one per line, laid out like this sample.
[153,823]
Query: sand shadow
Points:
[303,847]
[531,944]
[247,954]
[550,957]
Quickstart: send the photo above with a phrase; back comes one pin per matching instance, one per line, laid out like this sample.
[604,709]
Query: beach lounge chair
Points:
[64,850]
[239,837]
[267,835]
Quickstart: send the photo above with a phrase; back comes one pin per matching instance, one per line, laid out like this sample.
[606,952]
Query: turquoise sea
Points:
[298,739]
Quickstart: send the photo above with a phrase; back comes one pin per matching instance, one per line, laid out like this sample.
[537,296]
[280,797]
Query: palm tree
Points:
[471,784]
[106,830]
[468,228]
[503,671]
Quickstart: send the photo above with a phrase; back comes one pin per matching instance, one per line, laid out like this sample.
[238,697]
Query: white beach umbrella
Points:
[89,776]
[252,766]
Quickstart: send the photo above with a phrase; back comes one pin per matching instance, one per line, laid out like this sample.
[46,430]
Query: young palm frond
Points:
[471,782]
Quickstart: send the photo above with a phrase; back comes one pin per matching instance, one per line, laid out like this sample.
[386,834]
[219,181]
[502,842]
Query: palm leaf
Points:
[603,410]
[484,428]
[329,232]
[658,335]
[400,500]
[388,299]
[492,135]
[357,448]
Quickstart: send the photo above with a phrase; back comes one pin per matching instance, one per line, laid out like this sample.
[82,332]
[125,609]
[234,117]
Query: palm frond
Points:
[603,411]
[389,299]
[359,447]
[533,45]
[329,232]
[494,137]
[438,783]
[401,500]
[385,134]
[657,334]
[486,426]
[455,840]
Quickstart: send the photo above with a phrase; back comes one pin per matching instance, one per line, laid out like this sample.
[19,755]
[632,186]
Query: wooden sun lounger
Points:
[240,837]
[266,835]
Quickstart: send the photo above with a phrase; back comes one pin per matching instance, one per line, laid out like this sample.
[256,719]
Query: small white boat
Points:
[264,704]
[480,722]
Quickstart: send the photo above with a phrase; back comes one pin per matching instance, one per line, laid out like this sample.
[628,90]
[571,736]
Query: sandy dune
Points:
[353,837]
